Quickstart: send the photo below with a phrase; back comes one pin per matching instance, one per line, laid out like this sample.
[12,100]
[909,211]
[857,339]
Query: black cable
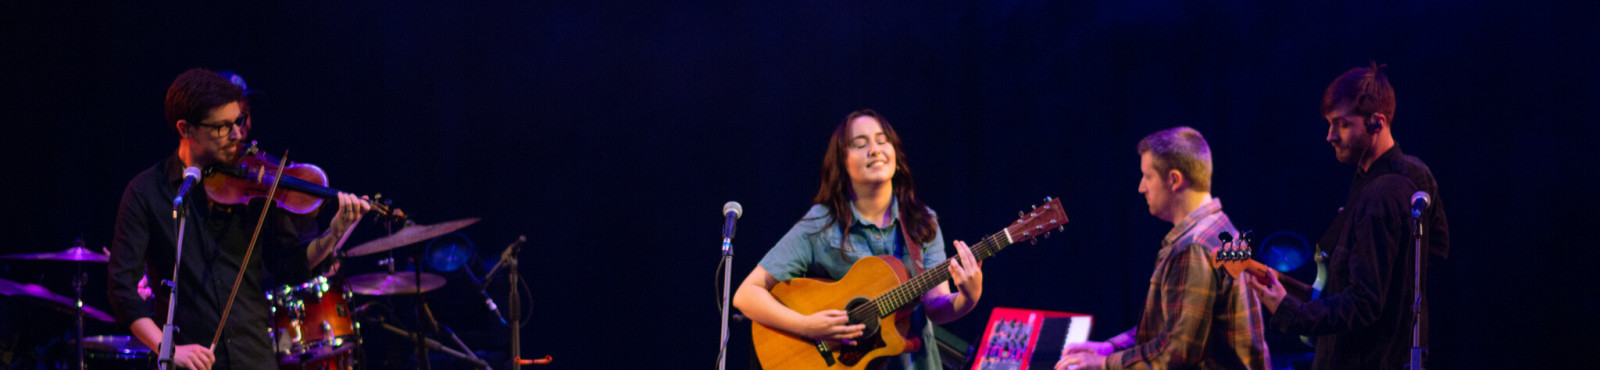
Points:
[717,285]
[526,292]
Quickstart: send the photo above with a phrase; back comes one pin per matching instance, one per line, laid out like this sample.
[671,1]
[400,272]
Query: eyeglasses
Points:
[228,128]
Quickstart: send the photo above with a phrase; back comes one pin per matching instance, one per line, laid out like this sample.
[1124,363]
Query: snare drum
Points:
[312,327]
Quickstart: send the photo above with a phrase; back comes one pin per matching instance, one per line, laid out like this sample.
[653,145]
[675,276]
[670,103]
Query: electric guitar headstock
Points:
[1038,222]
[1235,256]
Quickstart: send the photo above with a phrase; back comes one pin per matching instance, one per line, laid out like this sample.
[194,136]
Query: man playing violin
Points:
[211,117]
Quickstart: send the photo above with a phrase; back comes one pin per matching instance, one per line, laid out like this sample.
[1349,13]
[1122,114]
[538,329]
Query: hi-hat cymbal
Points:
[79,254]
[56,301]
[409,235]
[403,282]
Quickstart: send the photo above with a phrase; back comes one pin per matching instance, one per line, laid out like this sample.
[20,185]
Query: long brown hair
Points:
[836,190]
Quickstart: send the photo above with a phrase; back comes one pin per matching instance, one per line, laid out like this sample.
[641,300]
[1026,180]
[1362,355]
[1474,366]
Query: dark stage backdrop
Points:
[610,134]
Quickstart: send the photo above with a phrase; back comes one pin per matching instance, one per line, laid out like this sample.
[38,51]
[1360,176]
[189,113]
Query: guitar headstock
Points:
[1235,255]
[1038,222]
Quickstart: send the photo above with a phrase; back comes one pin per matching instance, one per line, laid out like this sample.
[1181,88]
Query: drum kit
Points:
[313,325]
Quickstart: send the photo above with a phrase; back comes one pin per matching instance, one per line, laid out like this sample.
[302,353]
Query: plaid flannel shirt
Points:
[1194,316]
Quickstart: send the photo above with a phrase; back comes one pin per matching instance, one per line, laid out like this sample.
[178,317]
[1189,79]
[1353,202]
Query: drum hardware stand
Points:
[424,316]
[433,344]
[77,288]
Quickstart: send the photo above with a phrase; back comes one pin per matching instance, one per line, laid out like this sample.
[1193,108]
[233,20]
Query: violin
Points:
[301,190]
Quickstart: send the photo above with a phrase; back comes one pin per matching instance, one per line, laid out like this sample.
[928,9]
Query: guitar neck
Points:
[912,291]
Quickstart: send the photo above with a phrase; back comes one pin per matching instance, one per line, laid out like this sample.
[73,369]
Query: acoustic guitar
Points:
[879,293]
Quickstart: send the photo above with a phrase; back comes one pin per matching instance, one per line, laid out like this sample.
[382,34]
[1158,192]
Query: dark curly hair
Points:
[1365,89]
[195,93]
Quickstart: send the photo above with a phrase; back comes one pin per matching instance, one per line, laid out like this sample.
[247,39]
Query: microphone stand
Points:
[727,279]
[508,261]
[513,277]
[1416,293]
[181,213]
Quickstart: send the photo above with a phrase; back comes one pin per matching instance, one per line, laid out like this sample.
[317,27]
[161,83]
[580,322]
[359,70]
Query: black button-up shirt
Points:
[215,240]
[1363,318]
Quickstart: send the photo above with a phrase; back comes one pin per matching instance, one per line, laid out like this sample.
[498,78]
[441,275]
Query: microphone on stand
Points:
[732,211]
[190,176]
[1419,202]
[483,286]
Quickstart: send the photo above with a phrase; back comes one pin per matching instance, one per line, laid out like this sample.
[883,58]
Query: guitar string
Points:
[897,297]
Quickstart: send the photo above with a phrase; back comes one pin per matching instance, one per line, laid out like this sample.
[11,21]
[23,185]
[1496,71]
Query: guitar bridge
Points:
[827,354]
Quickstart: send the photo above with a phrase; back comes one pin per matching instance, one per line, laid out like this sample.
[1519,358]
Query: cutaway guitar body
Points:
[868,278]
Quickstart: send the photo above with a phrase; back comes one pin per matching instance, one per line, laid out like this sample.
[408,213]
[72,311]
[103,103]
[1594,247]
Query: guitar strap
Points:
[913,249]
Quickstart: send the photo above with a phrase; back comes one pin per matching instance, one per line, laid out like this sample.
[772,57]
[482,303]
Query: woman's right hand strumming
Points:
[830,325]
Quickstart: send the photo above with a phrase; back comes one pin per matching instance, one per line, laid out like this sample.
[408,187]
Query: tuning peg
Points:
[1034,241]
[1062,228]
[1021,214]
[1047,199]
[1225,237]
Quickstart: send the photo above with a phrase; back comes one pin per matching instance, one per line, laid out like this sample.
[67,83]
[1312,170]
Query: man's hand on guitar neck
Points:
[830,325]
[1271,292]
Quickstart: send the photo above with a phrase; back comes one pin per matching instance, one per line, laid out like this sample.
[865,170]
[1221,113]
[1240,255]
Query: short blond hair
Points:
[1180,148]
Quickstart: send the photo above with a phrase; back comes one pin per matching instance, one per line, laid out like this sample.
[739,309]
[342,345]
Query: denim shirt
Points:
[812,249]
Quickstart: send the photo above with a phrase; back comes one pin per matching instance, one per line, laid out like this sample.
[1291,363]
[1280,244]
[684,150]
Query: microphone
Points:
[190,176]
[510,251]
[1419,202]
[483,286]
[731,210]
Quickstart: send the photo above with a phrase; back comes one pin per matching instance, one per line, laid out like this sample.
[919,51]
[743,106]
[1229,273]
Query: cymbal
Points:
[120,344]
[57,301]
[409,235]
[402,282]
[79,254]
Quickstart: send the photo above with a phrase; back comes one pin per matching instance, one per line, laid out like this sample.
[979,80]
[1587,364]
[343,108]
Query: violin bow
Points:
[244,265]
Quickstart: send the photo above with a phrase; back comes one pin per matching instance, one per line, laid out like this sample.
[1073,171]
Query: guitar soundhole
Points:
[870,339]
[867,316]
